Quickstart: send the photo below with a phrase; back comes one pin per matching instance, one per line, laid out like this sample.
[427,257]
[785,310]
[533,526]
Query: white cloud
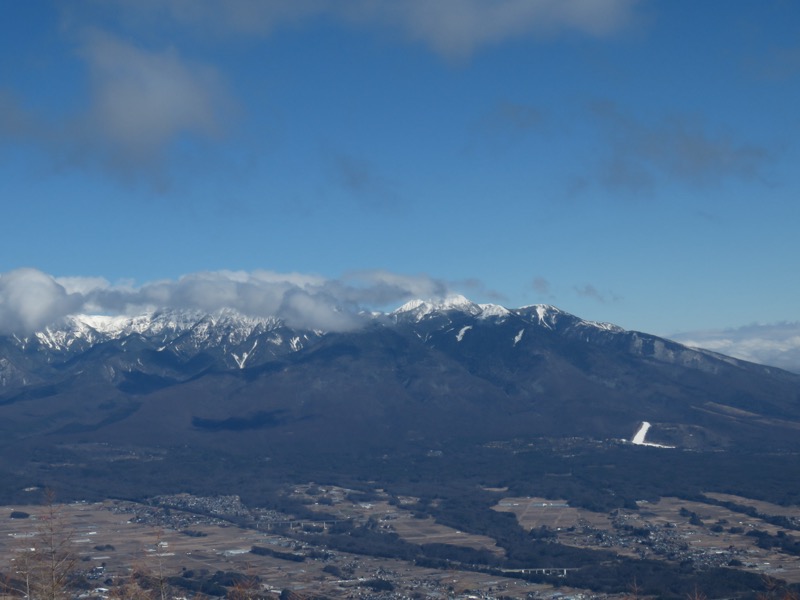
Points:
[30,299]
[315,310]
[777,344]
[141,103]
[82,285]
[453,28]
[382,288]
[457,28]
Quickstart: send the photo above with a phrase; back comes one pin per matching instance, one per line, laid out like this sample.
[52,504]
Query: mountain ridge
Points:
[237,341]
[434,377]
[236,327]
[430,370]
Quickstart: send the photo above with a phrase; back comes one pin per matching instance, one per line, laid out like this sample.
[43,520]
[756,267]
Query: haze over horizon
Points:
[629,161]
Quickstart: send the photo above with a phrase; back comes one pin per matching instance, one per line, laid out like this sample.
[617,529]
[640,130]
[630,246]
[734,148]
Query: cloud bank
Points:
[31,299]
[776,345]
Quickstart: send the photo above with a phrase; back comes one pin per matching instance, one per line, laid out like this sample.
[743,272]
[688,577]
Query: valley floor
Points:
[194,539]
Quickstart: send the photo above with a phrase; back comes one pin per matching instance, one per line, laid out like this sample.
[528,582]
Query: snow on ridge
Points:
[408,307]
[229,328]
[423,308]
[603,326]
[548,315]
[223,326]
[544,313]
[111,327]
[493,310]
[545,307]
[157,321]
[100,323]
[455,301]
[420,309]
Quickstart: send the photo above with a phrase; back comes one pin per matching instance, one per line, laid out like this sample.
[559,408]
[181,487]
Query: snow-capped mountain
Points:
[179,343]
[222,328]
[485,369]
[184,332]
[230,335]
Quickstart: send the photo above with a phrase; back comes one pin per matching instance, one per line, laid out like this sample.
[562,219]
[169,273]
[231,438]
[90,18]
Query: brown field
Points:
[555,514]
[579,527]
[143,546]
[766,508]
[226,548]
[427,531]
[401,521]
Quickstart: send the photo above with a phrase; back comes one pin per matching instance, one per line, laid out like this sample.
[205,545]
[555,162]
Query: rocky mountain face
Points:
[420,375]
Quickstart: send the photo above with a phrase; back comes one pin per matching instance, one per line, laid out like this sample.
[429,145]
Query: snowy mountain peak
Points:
[545,314]
[420,309]
[408,307]
[493,310]
[221,327]
[549,316]
[455,301]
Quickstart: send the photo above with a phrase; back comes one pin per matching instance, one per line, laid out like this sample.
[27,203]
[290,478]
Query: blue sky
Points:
[627,161]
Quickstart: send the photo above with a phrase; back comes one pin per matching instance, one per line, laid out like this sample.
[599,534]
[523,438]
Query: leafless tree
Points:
[696,595]
[247,588]
[148,578]
[44,563]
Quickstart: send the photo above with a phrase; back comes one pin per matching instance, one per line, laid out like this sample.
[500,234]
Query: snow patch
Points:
[461,333]
[543,311]
[241,361]
[518,337]
[638,439]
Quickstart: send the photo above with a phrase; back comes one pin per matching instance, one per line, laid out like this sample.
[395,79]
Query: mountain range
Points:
[420,375]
